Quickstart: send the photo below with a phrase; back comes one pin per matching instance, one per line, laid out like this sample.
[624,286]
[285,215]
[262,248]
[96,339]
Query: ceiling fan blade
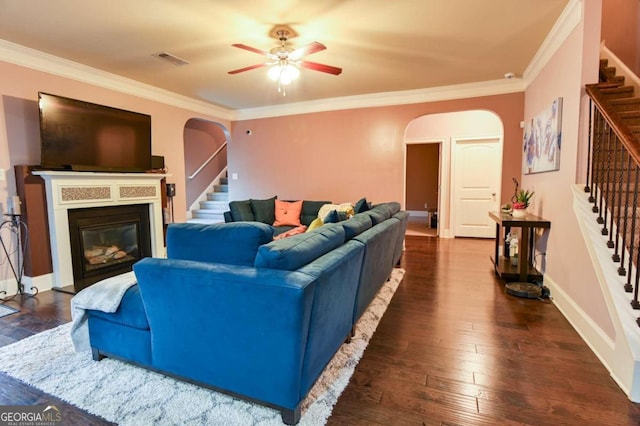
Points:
[321,67]
[249,68]
[250,49]
[307,50]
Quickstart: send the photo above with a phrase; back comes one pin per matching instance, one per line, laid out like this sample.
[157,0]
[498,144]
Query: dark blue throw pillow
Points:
[361,206]
[331,217]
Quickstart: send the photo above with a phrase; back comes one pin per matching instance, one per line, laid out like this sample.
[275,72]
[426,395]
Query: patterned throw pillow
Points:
[288,213]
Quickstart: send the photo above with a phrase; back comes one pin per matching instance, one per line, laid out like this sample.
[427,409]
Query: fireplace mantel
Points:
[75,190]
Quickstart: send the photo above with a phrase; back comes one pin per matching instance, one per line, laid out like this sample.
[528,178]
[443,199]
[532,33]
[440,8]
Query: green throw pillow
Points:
[264,210]
[241,211]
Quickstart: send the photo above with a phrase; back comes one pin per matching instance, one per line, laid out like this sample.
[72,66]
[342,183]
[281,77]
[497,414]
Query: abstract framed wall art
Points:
[542,140]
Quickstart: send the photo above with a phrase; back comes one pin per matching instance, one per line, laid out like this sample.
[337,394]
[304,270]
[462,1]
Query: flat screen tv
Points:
[81,136]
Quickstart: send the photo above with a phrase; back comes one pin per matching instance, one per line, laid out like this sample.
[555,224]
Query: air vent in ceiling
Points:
[173,59]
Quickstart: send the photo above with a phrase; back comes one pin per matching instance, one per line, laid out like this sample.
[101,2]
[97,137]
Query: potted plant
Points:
[520,200]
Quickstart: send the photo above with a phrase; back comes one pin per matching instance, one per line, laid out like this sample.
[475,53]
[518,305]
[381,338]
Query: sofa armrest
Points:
[241,329]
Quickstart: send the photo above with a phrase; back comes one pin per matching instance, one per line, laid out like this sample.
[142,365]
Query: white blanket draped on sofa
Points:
[105,296]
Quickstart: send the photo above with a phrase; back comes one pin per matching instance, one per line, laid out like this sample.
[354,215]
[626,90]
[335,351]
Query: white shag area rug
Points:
[130,395]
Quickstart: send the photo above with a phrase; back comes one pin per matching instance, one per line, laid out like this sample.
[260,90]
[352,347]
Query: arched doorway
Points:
[205,156]
[469,170]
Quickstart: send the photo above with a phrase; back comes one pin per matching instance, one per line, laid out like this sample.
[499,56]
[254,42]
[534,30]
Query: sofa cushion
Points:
[310,211]
[361,205]
[378,215]
[264,210]
[234,243]
[296,251]
[130,312]
[241,211]
[356,225]
[391,207]
[287,213]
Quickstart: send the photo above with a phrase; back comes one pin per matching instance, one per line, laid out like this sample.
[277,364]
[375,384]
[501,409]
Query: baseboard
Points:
[418,213]
[41,282]
[8,286]
[598,341]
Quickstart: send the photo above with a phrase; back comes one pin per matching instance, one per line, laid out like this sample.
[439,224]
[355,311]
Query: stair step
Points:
[205,214]
[609,71]
[607,85]
[218,196]
[204,221]
[221,188]
[630,118]
[218,206]
[224,181]
[619,92]
[604,62]
[618,79]
[626,104]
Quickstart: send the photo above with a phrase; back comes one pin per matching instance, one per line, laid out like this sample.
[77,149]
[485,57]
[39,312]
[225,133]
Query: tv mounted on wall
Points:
[82,136]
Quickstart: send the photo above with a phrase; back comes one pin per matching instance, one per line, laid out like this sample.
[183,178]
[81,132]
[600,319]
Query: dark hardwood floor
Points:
[452,349]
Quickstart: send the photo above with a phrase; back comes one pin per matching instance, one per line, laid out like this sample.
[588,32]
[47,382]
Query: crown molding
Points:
[30,58]
[37,60]
[566,23]
[442,93]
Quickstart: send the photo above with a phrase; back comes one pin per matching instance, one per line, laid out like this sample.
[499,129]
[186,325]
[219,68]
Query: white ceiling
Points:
[382,46]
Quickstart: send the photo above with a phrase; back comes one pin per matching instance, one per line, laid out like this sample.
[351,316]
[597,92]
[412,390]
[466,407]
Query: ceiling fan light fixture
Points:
[283,73]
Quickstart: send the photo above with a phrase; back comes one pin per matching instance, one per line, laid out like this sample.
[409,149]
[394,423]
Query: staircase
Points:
[613,176]
[609,216]
[212,209]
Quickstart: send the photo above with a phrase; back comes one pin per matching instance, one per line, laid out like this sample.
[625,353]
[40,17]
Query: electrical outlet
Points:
[426,206]
[3,174]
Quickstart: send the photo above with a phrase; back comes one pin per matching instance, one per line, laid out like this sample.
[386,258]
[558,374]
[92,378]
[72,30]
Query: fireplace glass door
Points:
[107,241]
[105,246]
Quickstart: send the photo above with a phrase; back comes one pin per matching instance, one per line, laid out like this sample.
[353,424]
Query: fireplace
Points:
[107,241]
[101,194]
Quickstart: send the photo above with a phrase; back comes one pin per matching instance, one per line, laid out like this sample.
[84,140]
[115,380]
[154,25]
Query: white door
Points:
[477,175]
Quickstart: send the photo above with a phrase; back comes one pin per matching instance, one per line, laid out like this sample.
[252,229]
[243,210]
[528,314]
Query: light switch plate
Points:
[3,174]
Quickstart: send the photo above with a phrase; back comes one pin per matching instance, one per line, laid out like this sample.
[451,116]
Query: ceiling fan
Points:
[285,61]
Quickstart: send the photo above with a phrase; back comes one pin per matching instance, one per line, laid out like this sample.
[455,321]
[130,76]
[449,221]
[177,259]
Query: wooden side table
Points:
[524,271]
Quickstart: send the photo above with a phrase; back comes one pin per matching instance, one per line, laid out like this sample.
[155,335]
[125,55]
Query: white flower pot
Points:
[519,212]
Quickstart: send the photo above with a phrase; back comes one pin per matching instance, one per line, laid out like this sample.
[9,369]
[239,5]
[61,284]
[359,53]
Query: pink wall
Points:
[621,30]
[345,155]
[567,261]
[201,140]
[19,134]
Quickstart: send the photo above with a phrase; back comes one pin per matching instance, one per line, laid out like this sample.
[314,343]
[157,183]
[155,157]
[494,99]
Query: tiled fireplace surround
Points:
[75,190]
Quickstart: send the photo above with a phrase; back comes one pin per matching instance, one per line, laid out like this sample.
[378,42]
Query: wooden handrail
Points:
[208,160]
[619,128]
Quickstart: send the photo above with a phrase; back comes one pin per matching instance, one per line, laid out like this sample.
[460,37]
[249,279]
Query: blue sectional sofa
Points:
[232,310]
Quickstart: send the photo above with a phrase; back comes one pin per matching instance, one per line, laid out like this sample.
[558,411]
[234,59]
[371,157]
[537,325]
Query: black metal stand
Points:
[19,227]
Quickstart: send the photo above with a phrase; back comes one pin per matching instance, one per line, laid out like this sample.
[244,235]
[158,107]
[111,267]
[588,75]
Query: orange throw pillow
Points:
[288,213]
